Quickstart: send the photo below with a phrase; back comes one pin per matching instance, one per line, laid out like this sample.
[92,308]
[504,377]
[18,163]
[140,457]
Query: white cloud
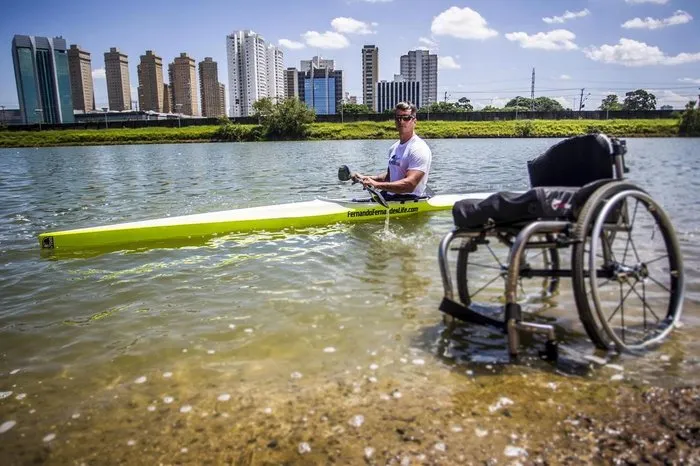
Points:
[689,80]
[679,17]
[325,40]
[428,43]
[667,97]
[558,39]
[566,16]
[99,73]
[448,63]
[658,2]
[463,23]
[563,101]
[629,52]
[290,44]
[345,25]
[565,77]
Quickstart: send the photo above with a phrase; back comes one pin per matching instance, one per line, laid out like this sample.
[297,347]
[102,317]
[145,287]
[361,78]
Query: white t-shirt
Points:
[414,154]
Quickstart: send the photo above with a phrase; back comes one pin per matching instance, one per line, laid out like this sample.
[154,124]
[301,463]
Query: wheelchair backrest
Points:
[573,162]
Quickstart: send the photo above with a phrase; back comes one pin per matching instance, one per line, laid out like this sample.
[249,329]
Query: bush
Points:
[524,129]
[690,121]
[289,119]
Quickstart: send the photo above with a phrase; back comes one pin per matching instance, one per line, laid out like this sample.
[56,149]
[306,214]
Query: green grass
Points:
[358,130]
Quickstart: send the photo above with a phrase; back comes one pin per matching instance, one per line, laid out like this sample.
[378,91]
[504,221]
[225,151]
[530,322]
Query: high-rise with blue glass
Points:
[43,79]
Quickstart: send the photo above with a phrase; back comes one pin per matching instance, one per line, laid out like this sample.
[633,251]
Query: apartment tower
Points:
[209,88]
[183,85]
[222,99]
[117,76]
[150,74]
[167,105]
[421,66]
[255,71]
[82,90]
[370,75]
[43,79]
[291,83]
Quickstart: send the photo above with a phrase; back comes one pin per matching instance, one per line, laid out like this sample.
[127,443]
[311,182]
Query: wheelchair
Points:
[626,267]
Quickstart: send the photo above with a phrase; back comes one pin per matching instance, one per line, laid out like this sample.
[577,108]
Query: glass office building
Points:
[43,79]
[321,90]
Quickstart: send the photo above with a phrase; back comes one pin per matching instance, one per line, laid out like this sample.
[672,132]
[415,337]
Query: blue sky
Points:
[486,48]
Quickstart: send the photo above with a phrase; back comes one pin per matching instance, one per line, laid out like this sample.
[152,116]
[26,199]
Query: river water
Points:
[105,343]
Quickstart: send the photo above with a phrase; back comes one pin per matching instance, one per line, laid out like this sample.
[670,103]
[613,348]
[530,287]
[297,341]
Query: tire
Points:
[627,280]
[482,268]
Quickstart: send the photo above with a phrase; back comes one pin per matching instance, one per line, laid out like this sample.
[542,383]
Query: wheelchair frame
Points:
[608,214]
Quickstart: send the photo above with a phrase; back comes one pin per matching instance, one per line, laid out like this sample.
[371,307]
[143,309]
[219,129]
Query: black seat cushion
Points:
[505,208]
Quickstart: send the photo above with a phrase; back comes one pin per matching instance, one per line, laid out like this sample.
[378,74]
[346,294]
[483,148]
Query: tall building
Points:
[255,71]
[183,85]
[316,62]
[222,99]
[43,79]
[275,73]
[167,106]
[209,88]
[81,87]
[150,74]
[370,74]
[322,90]
[390,93]
[117,76]
[420,65]
[291,83]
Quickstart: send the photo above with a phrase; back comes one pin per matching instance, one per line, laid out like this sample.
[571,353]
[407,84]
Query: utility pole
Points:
[532,92]
[445,96]
[3,115]
[582,99]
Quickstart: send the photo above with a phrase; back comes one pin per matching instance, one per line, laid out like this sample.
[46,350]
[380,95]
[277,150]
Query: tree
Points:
[465,104]
[442,107]
[639,100]
[349,108]
[491,108]
[263,108]
[288,119]
[690,121]
[610,103]
[542,104]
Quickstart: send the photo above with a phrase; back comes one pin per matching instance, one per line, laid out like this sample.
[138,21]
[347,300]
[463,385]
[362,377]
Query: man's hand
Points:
[367,181]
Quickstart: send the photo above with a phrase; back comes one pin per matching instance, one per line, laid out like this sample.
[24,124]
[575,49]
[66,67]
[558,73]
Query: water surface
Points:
[259,316]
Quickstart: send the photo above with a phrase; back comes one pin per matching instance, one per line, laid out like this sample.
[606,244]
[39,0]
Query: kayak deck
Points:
[274,217]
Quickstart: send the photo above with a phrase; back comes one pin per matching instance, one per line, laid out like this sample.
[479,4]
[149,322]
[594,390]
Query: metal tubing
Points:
[518,247]
[444,266]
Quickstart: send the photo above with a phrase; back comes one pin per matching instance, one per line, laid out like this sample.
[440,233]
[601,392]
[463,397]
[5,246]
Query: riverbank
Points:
[523,416]
[344,131]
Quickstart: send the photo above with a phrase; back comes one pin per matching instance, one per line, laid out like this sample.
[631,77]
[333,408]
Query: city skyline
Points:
[486,49]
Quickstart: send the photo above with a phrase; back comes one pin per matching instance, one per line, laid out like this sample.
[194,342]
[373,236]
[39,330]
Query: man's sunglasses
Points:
[404,117]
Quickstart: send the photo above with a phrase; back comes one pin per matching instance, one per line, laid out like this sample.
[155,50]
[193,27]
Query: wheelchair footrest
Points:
[465,314]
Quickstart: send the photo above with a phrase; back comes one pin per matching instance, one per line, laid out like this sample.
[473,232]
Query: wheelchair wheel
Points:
[627,269]
[482,266]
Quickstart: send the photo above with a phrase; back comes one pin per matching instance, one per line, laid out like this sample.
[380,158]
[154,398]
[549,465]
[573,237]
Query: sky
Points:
[486,49]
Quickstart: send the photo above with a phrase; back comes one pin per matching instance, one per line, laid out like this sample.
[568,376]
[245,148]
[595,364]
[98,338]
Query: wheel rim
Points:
[648,283]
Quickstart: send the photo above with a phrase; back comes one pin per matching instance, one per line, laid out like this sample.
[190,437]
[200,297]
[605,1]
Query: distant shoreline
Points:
[344,131]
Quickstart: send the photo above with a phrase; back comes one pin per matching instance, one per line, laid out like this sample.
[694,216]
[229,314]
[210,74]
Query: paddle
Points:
[344,174]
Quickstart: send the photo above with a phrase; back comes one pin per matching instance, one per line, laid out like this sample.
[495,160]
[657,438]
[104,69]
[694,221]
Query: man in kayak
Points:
[409,160]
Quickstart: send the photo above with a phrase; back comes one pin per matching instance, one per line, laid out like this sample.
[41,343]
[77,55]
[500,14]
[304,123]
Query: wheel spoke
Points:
[644,302]
[485,286]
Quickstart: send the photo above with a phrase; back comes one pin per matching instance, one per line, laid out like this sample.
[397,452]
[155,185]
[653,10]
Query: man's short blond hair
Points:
[406,106]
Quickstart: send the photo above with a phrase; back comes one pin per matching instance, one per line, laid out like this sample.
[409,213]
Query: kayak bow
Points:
[274,217]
